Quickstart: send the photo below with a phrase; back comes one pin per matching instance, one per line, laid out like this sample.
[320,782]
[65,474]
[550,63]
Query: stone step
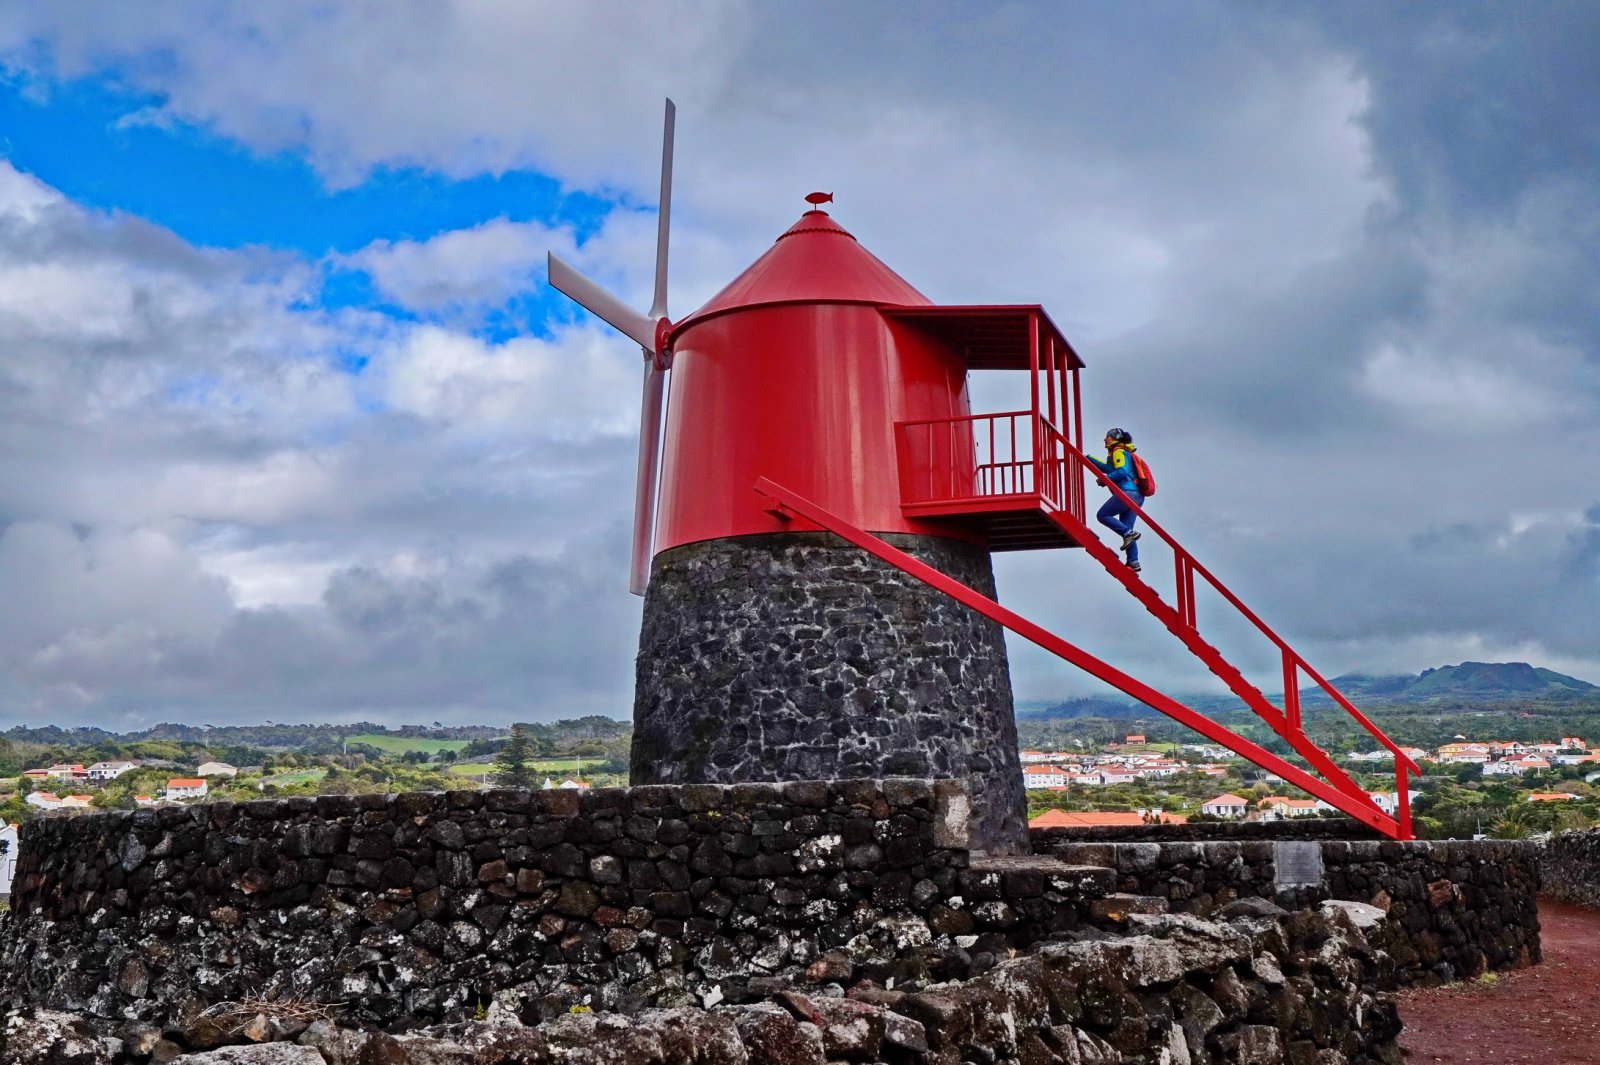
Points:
[1118,907]
[1028,876]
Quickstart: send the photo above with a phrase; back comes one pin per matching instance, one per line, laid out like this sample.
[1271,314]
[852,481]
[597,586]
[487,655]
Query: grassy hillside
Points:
[392,744]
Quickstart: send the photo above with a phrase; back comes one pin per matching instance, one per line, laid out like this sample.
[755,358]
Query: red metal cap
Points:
[815,261]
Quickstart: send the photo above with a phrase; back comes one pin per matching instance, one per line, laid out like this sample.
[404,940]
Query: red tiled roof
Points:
[1227,798]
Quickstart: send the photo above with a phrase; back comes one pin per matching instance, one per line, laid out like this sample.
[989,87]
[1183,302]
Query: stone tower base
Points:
[799,657]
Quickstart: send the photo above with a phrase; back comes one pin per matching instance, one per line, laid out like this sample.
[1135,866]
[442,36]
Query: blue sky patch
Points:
[85,139]
[217,193]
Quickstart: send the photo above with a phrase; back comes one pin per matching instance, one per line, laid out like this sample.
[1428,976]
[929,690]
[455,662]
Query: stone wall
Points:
[425,905]
[1045,839]
[1570,865]
[801,657]
[1455,908]
[1266,990]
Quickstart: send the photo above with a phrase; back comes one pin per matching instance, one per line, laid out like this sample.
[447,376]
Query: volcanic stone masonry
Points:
[1570,863]
[801,657]
[721,925]
[1453,908]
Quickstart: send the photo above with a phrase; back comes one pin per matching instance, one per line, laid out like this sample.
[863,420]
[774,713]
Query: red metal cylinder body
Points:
[791,373]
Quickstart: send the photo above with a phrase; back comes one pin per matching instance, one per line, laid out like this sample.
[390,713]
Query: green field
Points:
[471,769]
[300,776]
[402,744]
[550,766]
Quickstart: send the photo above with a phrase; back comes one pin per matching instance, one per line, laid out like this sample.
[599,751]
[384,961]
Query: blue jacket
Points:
[1118,469]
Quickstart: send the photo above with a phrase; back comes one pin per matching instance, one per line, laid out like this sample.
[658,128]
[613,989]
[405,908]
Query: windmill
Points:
[650,332]
[815,515]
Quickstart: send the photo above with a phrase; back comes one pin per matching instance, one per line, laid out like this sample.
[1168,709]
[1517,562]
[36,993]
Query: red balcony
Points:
[1002,473]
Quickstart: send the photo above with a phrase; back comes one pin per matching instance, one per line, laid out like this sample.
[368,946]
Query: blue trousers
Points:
[1116,515]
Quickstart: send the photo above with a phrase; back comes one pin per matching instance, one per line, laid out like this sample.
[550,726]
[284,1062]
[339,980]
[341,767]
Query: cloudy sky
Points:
[292,427]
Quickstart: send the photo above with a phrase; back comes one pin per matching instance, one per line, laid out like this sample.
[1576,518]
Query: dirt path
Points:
[1546,1015]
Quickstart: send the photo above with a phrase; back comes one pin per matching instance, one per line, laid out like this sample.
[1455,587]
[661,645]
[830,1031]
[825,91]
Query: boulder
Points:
[772,1036]
[44,1037]
[257,1054]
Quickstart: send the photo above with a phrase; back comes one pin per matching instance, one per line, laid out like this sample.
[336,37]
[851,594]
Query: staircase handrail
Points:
[1187,560]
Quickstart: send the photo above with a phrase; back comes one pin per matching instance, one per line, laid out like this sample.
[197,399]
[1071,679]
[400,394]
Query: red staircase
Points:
[1018,478]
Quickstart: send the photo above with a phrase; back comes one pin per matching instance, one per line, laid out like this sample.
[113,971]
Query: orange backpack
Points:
[1143,479]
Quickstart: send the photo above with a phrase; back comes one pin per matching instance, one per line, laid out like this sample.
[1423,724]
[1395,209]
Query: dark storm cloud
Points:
[1475,103]
[1335,265]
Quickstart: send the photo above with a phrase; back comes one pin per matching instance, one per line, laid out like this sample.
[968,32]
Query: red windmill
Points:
[820,393]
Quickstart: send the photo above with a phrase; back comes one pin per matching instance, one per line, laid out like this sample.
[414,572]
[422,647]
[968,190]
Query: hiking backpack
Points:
[1143,479]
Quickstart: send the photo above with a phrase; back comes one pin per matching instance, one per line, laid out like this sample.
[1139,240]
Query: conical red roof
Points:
[815,261]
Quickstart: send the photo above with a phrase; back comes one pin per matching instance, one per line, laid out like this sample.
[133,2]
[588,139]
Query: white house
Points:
[1387,801]
[1043,776]
[1506,767]
[76,802]
[44,800]
[1225,805]
[64,771]
[1160,769]
[1279,807]
[216,769]
[103,771]
[8,856]
[1465,756]
[186,788]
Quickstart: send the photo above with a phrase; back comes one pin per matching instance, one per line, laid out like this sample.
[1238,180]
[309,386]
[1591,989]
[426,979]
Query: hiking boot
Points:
[1133,564]
[1128,538]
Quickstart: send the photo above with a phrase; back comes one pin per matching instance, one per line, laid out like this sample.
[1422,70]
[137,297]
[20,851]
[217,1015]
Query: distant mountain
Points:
[1100,706]
[1469,680]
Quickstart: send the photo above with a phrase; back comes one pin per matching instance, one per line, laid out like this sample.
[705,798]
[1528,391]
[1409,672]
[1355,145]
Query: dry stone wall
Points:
[426,905]
[1270,989]
[1570,865]
[1044,839]
[792,924]
[1455,908]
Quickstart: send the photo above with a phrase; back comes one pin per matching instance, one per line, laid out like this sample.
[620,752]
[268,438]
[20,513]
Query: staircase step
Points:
[1117,907]
[1028,876]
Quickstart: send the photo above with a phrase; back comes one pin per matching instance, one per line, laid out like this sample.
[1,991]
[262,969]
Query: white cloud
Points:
[483,266]
[1455,395]
[575,386]
[461,87]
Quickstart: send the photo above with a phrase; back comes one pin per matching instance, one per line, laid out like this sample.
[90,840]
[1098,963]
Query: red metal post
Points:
[1049,370]
[1291,691]
[1402,794]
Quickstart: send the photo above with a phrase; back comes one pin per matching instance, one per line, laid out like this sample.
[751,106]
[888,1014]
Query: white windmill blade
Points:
[658,308]
[644,498]
[626,320]
[655,380]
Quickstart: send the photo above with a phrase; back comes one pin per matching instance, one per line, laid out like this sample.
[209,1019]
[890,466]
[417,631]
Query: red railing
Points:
[983,456]
[1020,453]
[1185,570]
